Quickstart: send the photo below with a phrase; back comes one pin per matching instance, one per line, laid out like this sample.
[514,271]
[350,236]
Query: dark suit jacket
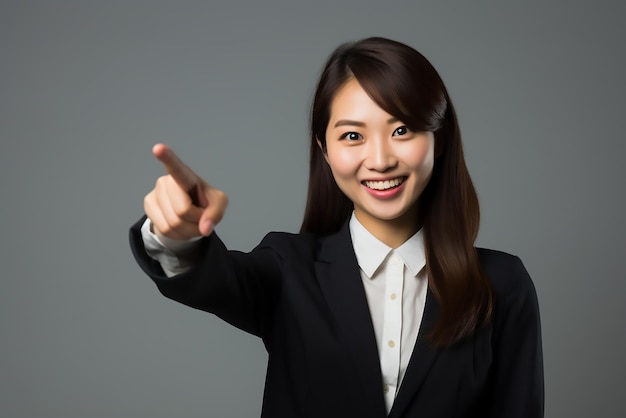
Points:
[303,295]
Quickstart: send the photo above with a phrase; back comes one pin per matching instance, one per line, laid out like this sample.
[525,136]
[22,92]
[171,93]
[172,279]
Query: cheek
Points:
[342,162]
[421,155]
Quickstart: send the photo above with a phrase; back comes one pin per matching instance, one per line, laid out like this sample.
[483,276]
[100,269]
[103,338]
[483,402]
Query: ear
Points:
[319,144]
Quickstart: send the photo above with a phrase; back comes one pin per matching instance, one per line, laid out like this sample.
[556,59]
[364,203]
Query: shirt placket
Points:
[392,328]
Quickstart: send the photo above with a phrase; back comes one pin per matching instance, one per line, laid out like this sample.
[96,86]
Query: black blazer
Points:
[303,295]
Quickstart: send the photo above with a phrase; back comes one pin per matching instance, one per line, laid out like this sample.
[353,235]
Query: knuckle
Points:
[181,209]
[221,196]
[161,182]
[148,201]
[176,224]
[173,229]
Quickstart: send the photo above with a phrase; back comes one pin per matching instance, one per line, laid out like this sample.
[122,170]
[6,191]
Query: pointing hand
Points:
[182,205]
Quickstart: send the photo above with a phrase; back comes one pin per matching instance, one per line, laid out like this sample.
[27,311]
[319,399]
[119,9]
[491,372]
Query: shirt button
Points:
[393,296]
[391,344]
[395,260]
[386,388]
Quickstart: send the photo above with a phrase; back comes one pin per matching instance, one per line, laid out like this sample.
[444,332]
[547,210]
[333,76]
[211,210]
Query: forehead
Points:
[352,102]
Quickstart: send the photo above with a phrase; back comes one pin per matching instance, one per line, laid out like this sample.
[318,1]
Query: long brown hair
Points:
[404,84]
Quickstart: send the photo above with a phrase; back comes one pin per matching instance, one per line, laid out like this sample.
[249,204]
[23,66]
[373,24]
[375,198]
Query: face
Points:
[378,163]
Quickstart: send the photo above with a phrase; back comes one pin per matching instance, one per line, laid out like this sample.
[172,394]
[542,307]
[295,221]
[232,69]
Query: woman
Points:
[381,306]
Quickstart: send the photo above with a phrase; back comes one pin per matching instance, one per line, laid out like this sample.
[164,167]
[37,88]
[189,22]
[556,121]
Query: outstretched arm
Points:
[238,287]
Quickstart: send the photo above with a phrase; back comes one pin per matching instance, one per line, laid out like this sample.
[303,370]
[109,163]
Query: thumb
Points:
[214,211]
[206,227]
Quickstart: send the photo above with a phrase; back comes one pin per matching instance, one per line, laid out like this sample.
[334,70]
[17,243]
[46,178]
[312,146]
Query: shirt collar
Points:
[371,252]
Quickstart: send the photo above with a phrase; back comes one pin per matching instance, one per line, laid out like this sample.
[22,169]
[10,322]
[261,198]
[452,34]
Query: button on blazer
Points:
[303,295]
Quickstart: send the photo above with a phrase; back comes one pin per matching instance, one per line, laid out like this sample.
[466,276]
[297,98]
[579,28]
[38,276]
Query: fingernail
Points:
[207,227]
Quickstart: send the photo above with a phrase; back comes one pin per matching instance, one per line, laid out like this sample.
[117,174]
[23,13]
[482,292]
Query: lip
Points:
[386,193]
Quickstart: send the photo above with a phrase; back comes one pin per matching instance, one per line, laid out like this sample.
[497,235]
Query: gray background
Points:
[86,88]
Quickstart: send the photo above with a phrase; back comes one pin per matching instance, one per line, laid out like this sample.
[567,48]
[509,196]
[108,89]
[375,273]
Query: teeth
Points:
[384,185]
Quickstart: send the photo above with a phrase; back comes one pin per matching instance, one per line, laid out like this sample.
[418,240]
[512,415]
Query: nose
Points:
[380,156]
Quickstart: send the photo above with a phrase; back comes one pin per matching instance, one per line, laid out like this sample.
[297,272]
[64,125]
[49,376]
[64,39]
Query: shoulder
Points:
[497,261]
[513,287]
[506,271]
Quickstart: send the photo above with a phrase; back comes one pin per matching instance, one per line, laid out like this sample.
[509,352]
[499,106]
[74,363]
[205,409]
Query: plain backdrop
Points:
[86,88]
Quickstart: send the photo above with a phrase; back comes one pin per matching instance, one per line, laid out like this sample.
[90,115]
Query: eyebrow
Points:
[347,122]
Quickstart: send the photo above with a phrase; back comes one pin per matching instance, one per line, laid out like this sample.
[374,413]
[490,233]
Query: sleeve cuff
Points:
[175,256]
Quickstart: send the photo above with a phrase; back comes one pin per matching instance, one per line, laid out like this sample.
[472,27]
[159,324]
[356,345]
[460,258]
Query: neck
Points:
[393,232]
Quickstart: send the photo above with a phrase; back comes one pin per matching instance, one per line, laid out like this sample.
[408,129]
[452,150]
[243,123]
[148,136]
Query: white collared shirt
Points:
[395,284]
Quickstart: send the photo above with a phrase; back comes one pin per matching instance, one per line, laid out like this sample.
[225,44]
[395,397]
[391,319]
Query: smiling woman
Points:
[381,305]
[376,81]
[378,163]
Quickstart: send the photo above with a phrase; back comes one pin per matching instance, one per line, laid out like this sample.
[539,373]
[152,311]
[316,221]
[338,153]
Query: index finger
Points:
[175,167]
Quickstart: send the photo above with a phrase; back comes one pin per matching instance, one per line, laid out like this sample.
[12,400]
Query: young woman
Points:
[381,305]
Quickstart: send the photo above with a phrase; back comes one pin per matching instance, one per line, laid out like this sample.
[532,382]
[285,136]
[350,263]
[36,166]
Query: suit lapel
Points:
[340,281]
[421,360]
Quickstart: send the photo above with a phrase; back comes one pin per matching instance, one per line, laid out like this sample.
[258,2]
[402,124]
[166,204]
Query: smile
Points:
[385,184]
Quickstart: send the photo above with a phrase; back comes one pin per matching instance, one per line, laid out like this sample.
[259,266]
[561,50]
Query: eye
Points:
[401,130]
[351,136]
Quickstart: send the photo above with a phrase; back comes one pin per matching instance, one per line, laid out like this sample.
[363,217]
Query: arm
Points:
[182,207]
[518,389]
[241,288]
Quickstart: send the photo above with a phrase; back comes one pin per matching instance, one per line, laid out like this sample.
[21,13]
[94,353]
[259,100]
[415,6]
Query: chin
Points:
[391,215]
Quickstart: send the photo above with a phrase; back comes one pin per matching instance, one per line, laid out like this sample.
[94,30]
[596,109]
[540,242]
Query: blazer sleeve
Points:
[518,387]
[241,288]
